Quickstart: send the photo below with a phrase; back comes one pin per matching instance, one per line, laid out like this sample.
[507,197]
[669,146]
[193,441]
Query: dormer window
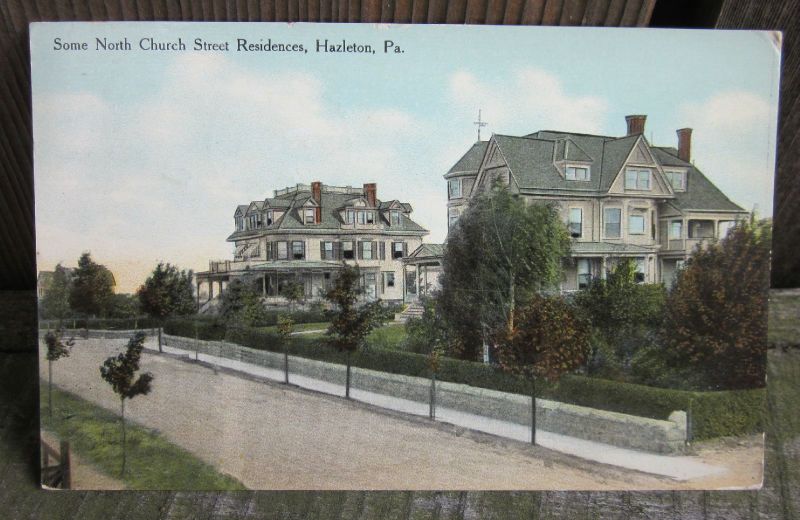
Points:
[454,189]
[309,215]
[577,173]
[270,217]
[350,216]
[676,179]
[366,217]
[239,223]
[394,217]
[637,179]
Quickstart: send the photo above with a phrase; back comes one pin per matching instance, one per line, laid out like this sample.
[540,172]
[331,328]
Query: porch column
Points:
[210,289]
[603,267]
[220,287]
[416,279]
[264,285]
[403,277]
[198,293]
[426,279]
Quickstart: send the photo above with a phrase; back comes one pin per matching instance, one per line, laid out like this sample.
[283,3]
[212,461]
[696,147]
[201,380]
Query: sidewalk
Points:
[681,468]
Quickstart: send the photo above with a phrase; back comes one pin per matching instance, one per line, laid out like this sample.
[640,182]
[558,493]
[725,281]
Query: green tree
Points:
[499,254]
[167,292]
[120,372]
[351,322]
[285,329]
[294,292]
[57,348]
[241,304]
[550,339]
[429,331]
[92,288]
[124,306]
[624,314]
[55,301]
[716,313]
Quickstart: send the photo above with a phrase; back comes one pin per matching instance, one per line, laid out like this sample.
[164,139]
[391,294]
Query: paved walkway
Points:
[681,468]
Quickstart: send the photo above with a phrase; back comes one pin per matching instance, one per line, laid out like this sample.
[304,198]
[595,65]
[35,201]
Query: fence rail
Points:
[57,475]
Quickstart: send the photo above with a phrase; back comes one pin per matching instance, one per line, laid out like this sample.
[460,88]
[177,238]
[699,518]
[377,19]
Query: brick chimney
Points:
[685,144]
[370,192]
[316,194]
[635,123]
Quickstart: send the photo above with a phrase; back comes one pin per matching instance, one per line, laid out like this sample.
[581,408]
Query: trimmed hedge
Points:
[102,323]
[714,414]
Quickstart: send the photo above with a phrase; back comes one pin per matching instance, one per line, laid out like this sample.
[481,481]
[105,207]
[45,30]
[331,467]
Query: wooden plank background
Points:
[19,494]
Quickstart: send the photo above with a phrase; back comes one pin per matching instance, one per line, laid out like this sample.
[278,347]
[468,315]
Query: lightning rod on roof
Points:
[479,123]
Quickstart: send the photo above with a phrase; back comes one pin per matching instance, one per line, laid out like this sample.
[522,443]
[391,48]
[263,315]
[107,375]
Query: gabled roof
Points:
[532,159]
[331,203]
[241,209]
[276,203]
[470,161]
[701,193]
[428,250]
[569,150]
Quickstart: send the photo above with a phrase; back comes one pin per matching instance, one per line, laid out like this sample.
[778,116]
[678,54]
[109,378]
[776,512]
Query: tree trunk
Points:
[347,381]
[432,413]
[196,342]
[159,339]
[122,402]
[533,412]
[286,361]
[50,388]
[512,302]
[136,323]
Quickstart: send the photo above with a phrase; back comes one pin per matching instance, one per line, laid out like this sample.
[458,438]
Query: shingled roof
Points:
[532,160]
[330,202]
[700,192]
[470,162]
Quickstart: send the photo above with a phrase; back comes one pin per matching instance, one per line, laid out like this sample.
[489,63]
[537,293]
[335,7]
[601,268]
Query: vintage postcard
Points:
[329,256]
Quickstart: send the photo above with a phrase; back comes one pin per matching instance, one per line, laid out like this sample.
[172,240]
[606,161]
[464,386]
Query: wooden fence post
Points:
[65,466]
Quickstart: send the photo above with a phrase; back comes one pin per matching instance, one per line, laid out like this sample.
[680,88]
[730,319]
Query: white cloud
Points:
[159,178]
[532,100]
[733,143]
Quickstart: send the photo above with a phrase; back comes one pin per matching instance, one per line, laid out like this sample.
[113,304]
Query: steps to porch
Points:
[413,310]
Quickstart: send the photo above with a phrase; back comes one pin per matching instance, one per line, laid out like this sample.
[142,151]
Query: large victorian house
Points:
[620,197]
[305,233]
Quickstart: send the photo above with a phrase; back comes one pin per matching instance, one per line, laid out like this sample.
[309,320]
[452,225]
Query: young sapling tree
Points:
[120,372]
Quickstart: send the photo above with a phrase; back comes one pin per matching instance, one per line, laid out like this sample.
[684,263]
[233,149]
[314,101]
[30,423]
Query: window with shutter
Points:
[383,250]
[347,250]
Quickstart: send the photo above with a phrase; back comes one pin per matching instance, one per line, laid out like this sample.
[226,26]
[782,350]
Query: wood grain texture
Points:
[19,496]
[784,16]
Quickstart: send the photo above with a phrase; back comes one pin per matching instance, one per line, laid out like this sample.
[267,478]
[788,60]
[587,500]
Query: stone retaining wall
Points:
[613,428]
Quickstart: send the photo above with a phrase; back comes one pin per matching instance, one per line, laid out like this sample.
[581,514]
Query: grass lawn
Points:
[153,462]
[390,336]
[298,327]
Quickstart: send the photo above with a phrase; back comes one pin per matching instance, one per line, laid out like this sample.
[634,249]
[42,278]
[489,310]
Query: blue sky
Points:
[143,156]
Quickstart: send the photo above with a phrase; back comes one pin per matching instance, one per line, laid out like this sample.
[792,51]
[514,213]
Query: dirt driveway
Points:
[270,436]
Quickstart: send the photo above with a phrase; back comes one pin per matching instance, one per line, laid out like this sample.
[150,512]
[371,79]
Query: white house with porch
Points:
[306,233]
[620,197]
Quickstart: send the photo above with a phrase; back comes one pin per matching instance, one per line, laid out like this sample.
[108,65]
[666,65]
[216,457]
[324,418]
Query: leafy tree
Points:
[430,331]
[294,292]
[55,301]
[92,288]
[550,338]
[716,314]
[351,322]
[241,304]
[499,254]
[124,306]
[624,315]
[57,347]
[167,292]
[285,329]
[120,372]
